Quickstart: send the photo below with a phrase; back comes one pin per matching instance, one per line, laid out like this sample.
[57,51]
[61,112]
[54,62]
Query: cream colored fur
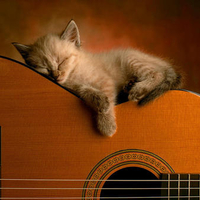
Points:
[98,78]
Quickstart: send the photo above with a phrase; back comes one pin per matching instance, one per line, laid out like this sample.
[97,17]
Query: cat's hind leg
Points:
[144,84]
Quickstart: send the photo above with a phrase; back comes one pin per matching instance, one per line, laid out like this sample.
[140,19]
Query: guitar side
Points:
[48,133]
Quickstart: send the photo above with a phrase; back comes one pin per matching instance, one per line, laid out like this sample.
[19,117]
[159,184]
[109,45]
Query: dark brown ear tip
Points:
[14,43]
[72,20]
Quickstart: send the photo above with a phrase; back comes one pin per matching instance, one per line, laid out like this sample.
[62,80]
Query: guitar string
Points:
[100,180]
[174,188]
[152,197]
[80,180]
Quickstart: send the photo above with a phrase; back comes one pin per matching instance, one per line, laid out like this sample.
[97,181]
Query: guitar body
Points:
[49,138]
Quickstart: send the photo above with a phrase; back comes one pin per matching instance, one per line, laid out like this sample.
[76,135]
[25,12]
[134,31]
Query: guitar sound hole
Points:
[131,173]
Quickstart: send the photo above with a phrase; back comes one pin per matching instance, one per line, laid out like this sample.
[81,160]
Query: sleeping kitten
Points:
[98,78]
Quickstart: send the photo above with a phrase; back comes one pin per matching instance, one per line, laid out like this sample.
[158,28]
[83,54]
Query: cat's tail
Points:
[169,83]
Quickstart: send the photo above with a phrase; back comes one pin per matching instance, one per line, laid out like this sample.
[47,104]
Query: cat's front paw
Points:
[106,124]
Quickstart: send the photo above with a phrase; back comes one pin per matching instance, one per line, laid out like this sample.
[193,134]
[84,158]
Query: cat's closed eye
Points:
[43,70]
[61,62]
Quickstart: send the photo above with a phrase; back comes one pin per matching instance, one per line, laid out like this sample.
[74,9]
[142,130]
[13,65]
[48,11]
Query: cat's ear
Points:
[23,49]
[71,33]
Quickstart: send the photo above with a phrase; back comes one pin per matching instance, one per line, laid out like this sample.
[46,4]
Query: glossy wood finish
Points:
[49,133]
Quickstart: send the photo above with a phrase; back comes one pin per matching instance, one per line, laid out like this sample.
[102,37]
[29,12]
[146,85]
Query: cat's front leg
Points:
[106,123]
[101,104]
[94,98]
[104,108]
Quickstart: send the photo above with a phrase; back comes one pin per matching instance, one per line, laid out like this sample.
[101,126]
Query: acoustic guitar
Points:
[50,148]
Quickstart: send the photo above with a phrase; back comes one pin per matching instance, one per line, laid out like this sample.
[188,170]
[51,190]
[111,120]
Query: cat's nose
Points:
[56,74]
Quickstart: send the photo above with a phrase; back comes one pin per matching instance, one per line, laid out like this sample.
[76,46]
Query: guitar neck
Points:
[180,186]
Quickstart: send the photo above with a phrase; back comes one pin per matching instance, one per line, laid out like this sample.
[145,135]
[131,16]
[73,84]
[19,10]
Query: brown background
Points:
[167,28]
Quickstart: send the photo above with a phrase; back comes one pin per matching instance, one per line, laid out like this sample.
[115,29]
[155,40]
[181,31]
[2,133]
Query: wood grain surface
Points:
[48,133]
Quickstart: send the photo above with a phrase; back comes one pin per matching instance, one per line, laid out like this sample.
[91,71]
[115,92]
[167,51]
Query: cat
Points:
[99,77]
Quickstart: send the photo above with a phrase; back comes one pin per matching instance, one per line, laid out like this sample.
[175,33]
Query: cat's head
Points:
[53,55]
